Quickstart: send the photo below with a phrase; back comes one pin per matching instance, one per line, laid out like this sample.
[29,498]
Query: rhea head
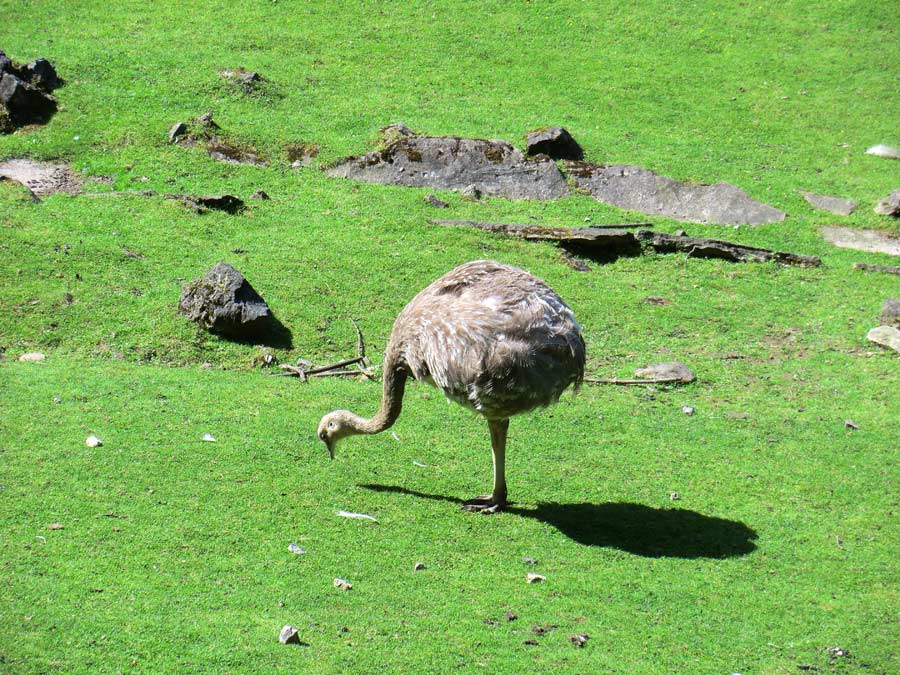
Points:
[335,426]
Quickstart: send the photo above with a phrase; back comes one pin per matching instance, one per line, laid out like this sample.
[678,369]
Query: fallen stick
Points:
[610,240]
[887,269]
[614,380]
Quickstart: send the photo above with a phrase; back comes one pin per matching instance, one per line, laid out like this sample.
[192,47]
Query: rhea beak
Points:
[330,445]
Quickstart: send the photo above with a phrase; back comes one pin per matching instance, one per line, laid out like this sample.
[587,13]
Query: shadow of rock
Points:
[633,528]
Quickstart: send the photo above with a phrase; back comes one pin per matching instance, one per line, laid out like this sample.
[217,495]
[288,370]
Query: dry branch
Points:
[621,241]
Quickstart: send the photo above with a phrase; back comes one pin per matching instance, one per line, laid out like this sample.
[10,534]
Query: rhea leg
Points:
[497,499]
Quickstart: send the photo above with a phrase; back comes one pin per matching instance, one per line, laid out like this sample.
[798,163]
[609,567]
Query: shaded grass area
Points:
[174,551]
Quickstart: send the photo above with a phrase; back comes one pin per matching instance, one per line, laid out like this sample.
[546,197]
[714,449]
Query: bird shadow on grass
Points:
[633,528]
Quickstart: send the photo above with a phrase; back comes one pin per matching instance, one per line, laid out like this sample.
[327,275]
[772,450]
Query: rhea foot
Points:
[486,504]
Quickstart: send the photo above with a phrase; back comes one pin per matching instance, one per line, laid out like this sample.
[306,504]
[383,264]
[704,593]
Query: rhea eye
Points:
[332,426]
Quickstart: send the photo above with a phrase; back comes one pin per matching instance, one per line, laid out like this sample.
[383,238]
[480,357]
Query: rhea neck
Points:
[394,381]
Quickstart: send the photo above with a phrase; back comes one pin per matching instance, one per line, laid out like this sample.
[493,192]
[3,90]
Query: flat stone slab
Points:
[886,336]
[42,178]
[861,240]
[836,205]
[885,151]
[890,205]
[493,168]
[638,189]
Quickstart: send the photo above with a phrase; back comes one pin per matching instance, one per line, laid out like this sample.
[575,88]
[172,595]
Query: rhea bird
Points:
[491,337]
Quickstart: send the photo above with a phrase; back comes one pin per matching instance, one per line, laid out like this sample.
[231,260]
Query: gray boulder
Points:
[890,205]
[494,168]
[41,74]
[638,189]
[555,142]
[224,302]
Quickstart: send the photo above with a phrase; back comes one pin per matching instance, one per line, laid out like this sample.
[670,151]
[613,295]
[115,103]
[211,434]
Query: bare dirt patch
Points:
[41,178]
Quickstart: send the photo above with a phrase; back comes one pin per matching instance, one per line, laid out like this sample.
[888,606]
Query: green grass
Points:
[785,540]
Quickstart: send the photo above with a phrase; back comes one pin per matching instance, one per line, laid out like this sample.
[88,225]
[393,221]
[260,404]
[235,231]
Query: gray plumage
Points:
[494,339]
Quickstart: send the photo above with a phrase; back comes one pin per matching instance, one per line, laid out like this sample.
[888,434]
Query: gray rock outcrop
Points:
[494,168]
[836,205]
[890,312]
[25,92]
[638,189]
[861,240]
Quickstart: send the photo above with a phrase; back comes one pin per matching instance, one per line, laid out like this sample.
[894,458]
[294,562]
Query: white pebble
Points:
[93,442]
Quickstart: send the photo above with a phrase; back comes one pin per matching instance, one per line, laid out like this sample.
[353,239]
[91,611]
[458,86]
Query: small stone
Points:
[886,336]
[57,399]
[32,357]
[510,616]
[687,410]
[579,640]
[343,584]
[890,312]
[674,496]
[529,561]
[260,194]
[657,300]
[850,424]
[93,442]
[533,578]
[885,151]
[435,202]
[208,438]
[289,636]
[419,566]
[837,652]
[293,548]
[178,129]
[471,192]
[890,205]
[737,415]
[670,370]
[530,641]
[56,526]
[555,142]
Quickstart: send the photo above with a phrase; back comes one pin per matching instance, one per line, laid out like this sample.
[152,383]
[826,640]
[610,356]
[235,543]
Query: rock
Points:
[687,410]
[93,442]
[890,205]
[639,189]
[861,240]
[841,207]
[418,566]
[208,438]
[178,129]
[555,142]
[529,560]
[890,312]
[494,168]
[246,79]
[224,302]
[202,203]
[533,578]
[293,548]
[435,202]
[289,636]
[886,336]
[343,584]
[510,616]
[301,154]
[850,424]
[56,526]
[32,357]
[471,192]
[26,104]
[671,371]
[394,132]
[41,178]
[657,300]
[5,63]
[579,640]
[262,195]
[674,496]
[884,151]
[42,75]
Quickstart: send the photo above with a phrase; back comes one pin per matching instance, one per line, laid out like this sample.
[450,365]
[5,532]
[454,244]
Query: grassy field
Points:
[173,553]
